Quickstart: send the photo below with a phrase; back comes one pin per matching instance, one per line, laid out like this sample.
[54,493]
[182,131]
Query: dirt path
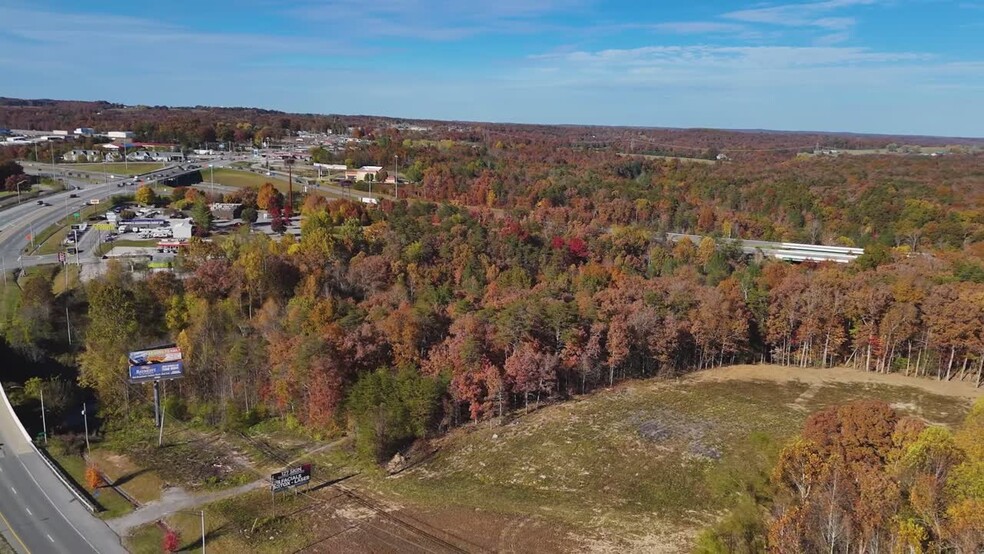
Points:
[173,500]
[812,376]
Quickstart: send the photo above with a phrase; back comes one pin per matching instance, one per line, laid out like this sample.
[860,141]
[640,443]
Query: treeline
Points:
[863,478]
[496,315]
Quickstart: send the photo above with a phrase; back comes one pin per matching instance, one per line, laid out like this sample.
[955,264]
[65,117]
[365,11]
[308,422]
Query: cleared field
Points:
[234,178]
[641,467]
[135,168]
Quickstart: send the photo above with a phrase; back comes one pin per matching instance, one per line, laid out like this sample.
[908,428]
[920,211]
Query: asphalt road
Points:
[17,223]
[38,514]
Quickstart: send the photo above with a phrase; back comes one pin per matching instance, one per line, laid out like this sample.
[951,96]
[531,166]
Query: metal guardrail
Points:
[69,484]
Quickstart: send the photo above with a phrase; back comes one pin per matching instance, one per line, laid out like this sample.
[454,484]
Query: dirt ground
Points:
[783,374]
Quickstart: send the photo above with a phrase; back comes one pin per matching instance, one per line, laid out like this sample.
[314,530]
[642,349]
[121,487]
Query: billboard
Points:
[157,363]
[290,477]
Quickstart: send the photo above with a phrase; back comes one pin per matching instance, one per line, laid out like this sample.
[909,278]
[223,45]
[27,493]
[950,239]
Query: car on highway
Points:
[73,195]
[40,202]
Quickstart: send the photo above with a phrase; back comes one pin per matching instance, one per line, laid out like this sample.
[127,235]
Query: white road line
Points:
[13,489]
[49,537]
[29,511]
[55,506]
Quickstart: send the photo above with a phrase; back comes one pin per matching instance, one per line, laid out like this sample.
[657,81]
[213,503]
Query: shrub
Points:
[172,541]
[92,478]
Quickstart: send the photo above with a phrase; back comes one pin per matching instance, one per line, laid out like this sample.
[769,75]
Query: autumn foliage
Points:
[860,478]
[93,480]
[171,541]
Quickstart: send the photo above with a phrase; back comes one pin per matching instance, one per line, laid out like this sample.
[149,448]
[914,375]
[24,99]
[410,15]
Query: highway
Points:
[38,514]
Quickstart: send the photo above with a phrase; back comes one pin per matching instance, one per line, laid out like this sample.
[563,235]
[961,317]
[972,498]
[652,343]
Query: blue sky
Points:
[889,66]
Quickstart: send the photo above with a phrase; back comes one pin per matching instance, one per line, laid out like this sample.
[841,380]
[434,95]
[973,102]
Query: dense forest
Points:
[528,267]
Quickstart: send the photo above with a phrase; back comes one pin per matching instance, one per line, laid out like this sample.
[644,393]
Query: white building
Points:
[167,156]
[85,131]
[60,133]
[364,172]
[120,134]
[181,230]
[83,156]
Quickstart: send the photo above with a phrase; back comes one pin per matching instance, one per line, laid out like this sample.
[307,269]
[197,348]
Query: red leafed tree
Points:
[171,542]
[531,371]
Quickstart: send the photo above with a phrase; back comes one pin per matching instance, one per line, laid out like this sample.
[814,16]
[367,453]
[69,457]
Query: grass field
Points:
[135,168]
[647,463]
[107,246]
[60,284]
[234,178]
[115,505]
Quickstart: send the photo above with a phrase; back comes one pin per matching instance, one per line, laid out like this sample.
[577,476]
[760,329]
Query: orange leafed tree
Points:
[92,478]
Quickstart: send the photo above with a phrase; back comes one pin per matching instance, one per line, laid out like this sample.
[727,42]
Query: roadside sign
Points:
[157,363]
[78,215]
[290,477]
[61,257]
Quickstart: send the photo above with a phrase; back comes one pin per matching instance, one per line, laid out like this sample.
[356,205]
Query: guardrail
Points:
[69,484]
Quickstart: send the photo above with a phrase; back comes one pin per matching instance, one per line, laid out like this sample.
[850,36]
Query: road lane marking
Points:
[55,506]
[13,489]
[49,537]
[29,512]
[14,533]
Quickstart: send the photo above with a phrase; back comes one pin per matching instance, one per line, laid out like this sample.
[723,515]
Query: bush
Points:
[171,542]
[176,408]
[93,479]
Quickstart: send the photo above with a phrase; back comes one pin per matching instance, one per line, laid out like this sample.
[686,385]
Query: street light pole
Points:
[203,531]
[396,177]
[86,418]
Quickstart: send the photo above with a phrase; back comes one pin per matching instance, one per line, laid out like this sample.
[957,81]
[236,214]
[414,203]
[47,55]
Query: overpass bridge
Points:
[789,251]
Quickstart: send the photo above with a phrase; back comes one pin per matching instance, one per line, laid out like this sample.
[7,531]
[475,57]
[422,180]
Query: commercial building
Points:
[85,132]
[181,230]
[120,134]
[226,210]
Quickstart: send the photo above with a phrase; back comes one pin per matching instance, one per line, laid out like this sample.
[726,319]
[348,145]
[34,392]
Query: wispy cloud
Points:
[438,20]
[812,14]
[697,27]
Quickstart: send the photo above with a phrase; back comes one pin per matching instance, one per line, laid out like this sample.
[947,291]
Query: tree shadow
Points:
[196,545]
[331,482]
[129,477]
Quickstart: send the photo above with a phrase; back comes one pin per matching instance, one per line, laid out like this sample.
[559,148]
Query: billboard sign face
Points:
[157,363]
[290,477]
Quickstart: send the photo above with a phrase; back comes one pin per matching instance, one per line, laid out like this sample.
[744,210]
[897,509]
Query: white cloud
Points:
[696,27]
[810,14]
[437,20]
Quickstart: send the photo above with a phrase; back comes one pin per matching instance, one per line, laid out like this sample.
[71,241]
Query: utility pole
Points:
[203,531]
[44,423]
[68,322]
[396,178]
[289,162]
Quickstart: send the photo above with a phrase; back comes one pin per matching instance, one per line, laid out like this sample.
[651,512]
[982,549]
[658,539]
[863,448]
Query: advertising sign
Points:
[158,363]
[290,477]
